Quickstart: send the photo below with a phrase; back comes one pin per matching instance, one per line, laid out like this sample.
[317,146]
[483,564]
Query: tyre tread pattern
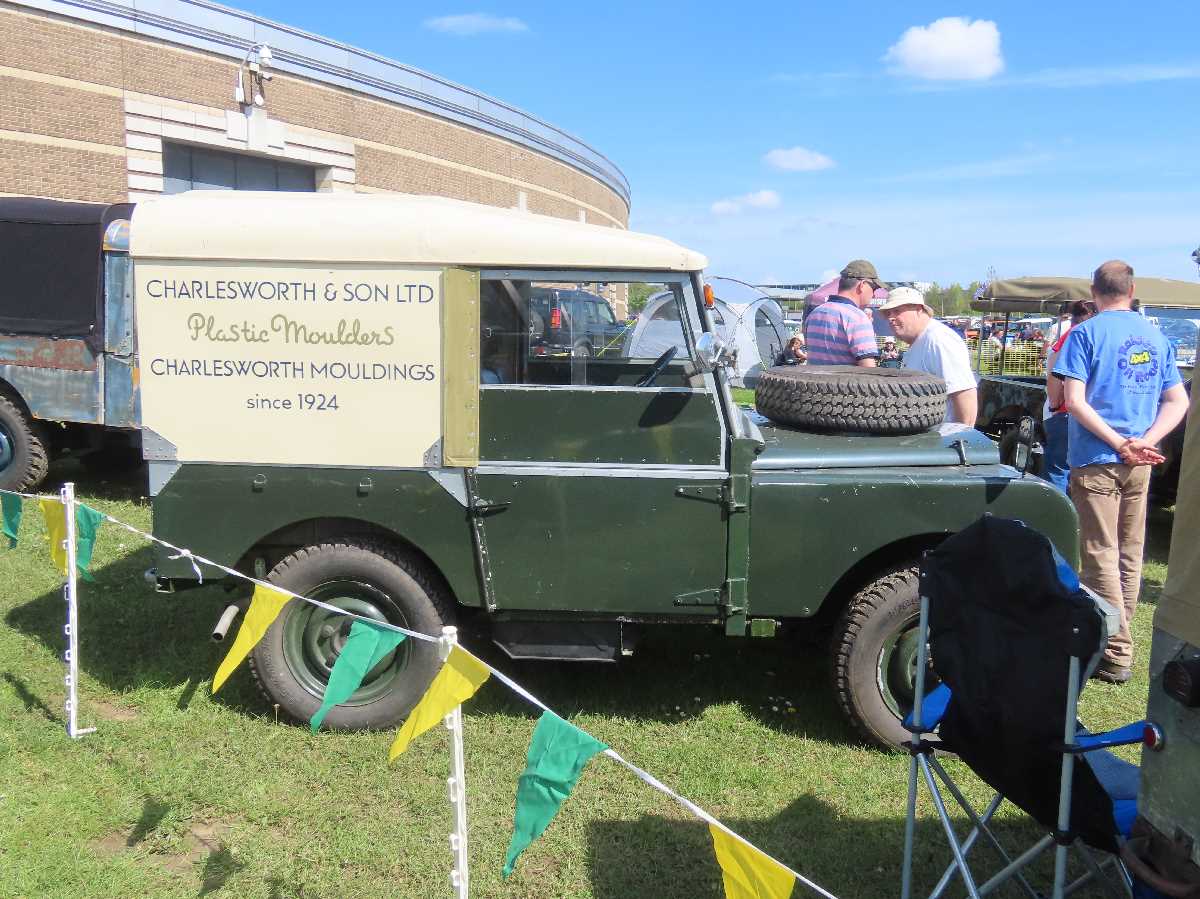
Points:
[865,604]
[37,462]
[838,398]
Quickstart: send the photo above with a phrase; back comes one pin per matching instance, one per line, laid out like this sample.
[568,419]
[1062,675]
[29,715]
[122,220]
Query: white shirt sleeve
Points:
[954,360]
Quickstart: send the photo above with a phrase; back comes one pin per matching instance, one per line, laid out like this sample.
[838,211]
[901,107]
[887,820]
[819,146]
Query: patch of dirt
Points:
[200,842]
[110,712]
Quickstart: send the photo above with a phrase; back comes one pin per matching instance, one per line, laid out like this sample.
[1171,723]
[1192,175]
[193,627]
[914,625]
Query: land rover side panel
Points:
[600,496]
[225,512]
[811,527]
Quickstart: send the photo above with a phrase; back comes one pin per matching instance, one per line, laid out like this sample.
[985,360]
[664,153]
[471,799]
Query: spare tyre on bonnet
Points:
[852,399]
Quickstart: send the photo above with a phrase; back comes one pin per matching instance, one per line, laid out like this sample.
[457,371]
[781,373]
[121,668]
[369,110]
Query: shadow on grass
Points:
[678,672]
[849,857]
[116,484]
[131,637]
[32,703]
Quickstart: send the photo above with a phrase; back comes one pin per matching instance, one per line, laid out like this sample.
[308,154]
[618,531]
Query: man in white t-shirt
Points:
[935,348]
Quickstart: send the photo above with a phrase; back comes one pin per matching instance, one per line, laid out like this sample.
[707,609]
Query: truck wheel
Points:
[23,457]
[875,657]
[293,660]
[861,400]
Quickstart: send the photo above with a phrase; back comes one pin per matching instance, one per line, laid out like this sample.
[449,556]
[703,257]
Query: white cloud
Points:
[951,49]
[760,199]
[1103,76]
[798,159]
[469,24]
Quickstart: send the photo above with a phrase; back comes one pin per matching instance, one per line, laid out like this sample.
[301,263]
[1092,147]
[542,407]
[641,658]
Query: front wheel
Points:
[875,657]
[293,660]
[24,460]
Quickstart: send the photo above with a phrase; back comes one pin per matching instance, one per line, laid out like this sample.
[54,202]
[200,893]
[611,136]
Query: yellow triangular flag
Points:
[748,872]
[457,682]
[265,606]
[55,514]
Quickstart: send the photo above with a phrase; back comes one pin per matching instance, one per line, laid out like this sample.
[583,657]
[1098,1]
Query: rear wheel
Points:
[24,460]
[875,657]
[293,660]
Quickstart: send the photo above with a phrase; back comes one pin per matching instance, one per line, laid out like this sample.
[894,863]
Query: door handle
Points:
[481,507]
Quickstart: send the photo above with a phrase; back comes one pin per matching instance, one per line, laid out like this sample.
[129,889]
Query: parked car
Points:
[1005,399]
[68,375]
[573,323]
[564,507]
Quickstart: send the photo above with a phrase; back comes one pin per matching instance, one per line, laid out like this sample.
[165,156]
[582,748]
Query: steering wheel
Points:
[657,368]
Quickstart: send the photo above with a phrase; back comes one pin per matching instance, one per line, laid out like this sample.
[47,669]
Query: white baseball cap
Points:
[904,296]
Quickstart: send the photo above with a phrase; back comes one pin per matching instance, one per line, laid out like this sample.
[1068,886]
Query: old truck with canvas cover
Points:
[341,394]
[68,375]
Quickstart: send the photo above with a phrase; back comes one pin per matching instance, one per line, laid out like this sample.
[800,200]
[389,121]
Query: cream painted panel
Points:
[294,363]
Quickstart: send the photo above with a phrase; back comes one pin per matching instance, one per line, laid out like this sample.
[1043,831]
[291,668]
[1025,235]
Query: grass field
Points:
[181,794]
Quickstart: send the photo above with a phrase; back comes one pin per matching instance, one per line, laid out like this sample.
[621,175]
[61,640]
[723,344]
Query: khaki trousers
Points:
[1111,502]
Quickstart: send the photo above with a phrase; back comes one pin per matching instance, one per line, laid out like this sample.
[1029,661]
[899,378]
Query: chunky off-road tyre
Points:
[848,398]
[874,653]
[293,660]
[24,460]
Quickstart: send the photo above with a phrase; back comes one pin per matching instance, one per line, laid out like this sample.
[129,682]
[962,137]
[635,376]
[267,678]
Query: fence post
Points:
[71,630]
[457,783]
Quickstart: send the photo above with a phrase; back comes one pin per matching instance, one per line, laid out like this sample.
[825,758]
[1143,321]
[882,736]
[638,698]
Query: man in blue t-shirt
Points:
[1123,392]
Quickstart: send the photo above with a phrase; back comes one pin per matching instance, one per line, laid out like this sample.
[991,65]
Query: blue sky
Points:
[936,140]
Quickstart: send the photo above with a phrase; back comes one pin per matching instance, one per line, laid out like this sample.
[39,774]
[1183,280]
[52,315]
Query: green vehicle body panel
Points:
[628,427]
[635,545]
[222,512]
[817,528]
[607,545]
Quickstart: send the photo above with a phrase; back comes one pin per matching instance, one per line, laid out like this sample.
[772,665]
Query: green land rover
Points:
[343,394]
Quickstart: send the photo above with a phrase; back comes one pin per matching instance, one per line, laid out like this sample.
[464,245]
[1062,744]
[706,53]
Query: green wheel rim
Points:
[6,448]
[897,672]
[313,637]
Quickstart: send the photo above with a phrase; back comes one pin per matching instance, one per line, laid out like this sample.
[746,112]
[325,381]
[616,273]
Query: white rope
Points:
[187,554]
[57,499]
[649,779]
[233,572]
[644,776]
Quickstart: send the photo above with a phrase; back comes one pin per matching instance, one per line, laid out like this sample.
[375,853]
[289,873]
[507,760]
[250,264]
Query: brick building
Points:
[107,100]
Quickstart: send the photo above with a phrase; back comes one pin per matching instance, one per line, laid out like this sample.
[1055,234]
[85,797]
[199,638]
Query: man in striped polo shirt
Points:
[838,332]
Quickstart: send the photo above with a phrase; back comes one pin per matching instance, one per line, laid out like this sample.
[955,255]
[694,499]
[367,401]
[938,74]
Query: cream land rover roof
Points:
[385,228]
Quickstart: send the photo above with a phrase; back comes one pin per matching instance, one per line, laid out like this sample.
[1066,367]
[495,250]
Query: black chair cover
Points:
[1002,627]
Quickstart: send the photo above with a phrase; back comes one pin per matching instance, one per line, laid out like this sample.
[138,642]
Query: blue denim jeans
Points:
[1057,470]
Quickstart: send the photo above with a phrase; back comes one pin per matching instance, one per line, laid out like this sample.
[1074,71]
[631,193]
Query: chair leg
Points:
[1017,864]
[968,843]
[910,826]
[968,880]
[1096,872]
[980,825]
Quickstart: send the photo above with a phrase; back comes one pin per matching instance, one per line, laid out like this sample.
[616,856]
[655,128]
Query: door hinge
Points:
[736,493]
[700,598]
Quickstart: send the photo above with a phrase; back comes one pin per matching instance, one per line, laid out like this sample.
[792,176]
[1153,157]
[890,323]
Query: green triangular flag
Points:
[87,523]
[365,648]
[557,754]
[10,513]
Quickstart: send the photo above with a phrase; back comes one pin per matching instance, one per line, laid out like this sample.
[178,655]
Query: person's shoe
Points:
[1111,673]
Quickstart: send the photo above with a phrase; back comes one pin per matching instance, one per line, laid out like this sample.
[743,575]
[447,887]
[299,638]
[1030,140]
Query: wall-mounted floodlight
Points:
[256,61]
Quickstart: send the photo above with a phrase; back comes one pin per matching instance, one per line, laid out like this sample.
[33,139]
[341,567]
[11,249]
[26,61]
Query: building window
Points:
[199,168]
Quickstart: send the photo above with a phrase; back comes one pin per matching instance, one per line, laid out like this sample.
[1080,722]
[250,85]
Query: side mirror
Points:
[1023,451]
[710,351]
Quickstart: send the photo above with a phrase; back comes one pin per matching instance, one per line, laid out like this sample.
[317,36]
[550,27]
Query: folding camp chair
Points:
[1013,636]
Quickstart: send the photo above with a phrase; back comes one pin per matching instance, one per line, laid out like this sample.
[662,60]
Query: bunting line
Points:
[642,775]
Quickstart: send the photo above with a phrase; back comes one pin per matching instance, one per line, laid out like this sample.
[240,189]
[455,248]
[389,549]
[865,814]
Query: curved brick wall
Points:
[92,90]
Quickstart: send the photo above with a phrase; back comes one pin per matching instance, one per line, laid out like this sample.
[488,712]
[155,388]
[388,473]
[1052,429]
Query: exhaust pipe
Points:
[223,623]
